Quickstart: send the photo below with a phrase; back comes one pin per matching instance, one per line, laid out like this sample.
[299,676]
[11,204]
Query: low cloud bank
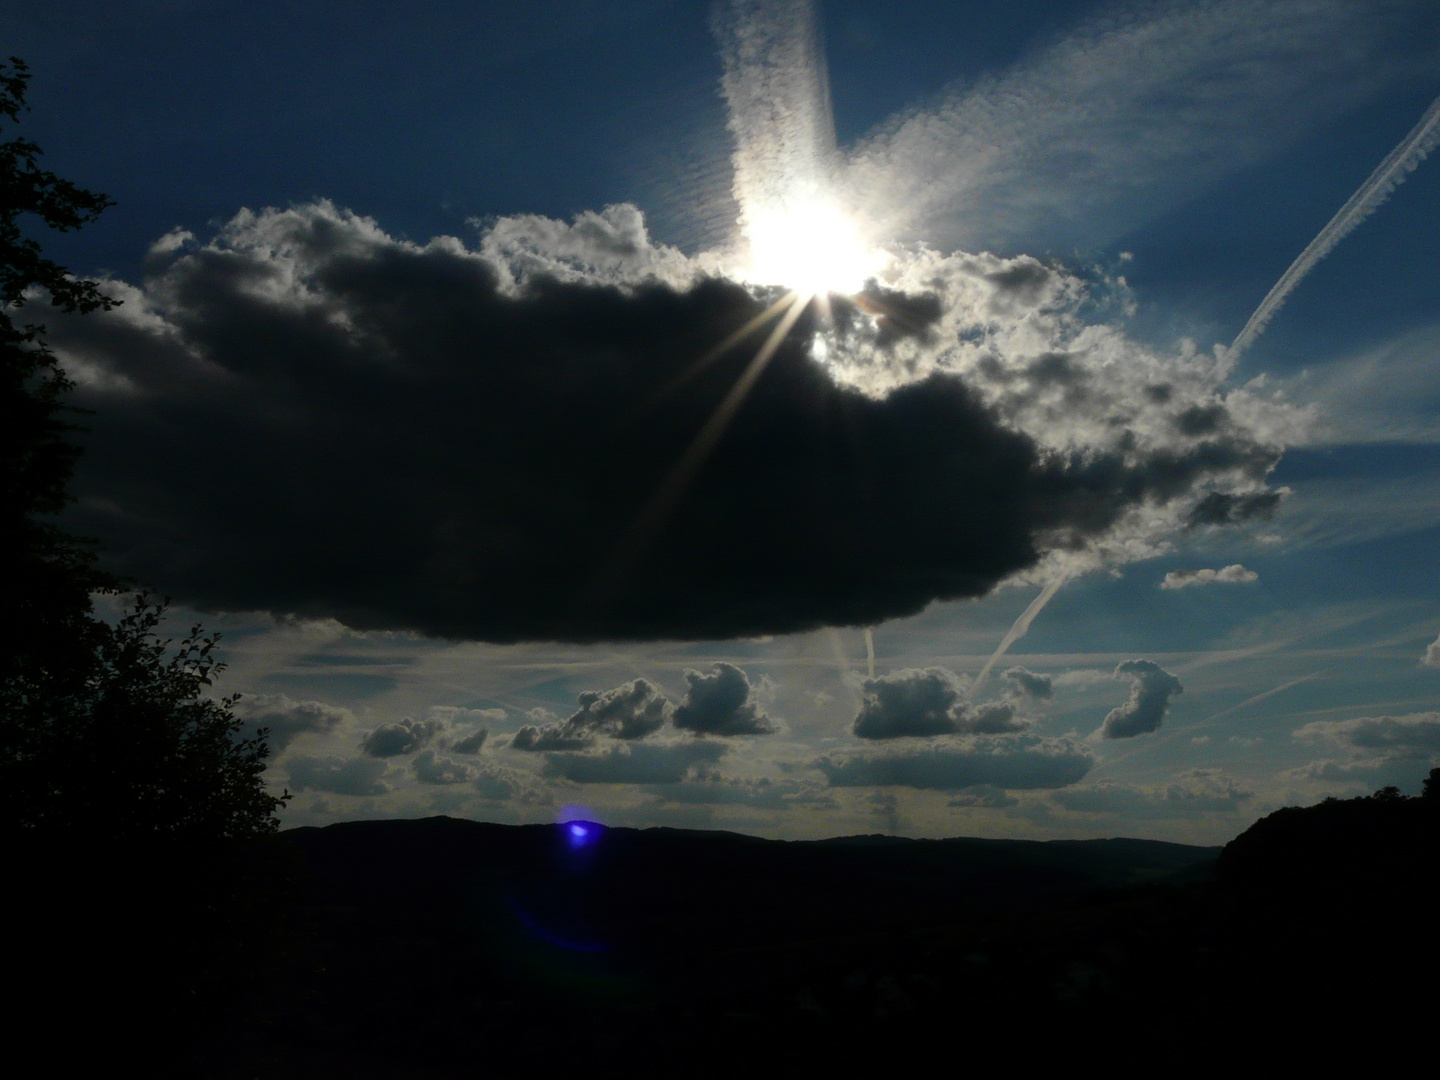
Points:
[952,763]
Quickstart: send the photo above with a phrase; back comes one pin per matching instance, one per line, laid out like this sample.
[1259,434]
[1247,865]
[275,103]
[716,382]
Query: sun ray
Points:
[667,496]
[711,356]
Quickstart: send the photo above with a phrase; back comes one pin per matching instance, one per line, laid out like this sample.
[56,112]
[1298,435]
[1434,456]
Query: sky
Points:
[802,420]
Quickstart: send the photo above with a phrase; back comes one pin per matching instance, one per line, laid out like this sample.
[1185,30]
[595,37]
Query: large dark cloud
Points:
[307,416]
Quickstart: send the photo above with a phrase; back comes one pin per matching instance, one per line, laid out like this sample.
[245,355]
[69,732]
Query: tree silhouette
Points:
[103,729]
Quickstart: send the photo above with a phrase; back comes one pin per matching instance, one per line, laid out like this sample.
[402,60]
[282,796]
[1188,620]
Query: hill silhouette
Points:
[440,948]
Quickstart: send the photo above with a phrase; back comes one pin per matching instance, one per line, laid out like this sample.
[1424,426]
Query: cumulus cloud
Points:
[489,426]
[497,783]
[1432,654]
[719,704]
[637,763]
[632,711]
[356,776]
[1234,574]
[1010,762]
[1151,688]
[1416,732]
[286,719]
[1375,750]
[431,769]
[1197,791]
[465,732]
[1029,683]
[392,740]
[928,701]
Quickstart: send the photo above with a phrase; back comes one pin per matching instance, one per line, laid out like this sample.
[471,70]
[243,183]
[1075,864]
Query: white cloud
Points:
[1431,656]
[1234,574]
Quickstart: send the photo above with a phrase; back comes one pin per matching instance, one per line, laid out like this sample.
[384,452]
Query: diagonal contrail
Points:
[1389,175]
[1021,627]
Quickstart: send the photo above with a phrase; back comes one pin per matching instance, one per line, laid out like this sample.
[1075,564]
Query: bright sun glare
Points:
[811,246]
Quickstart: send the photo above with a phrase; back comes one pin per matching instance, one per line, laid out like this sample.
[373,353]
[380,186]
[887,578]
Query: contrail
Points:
[1389,175]
[1021,627]
[1261,697]
[869,652]
[778,93]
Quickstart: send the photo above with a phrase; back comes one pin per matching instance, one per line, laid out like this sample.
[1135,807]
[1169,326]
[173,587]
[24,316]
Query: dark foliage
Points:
[103,729]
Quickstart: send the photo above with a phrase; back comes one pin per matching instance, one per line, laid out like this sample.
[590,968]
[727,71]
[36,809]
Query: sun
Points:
[809,245]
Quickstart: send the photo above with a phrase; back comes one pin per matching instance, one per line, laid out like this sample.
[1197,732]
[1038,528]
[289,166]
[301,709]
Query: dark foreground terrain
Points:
[446,948]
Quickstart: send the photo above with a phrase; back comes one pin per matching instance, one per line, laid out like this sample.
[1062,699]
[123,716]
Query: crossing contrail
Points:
[1389,175]
[1021,627]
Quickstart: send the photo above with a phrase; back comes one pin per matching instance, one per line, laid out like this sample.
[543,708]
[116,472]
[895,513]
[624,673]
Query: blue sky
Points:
[1154,167]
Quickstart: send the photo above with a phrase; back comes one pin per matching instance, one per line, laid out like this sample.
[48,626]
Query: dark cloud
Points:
[430,769]
[1200,420]
[1011,762]
[357,776]
[1029,683]
[1151,687]
[637,763]
[929,701]
[392,740]
[1416,733]
[471,743]
[719,704]
[1221,508]
[631,711]
[286,719]
[307,416]
[897,315]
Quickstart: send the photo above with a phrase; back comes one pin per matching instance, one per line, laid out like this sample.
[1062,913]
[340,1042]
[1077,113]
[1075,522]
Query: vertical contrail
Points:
[778,93]
[1389,175]
[869,652]
[1022,625]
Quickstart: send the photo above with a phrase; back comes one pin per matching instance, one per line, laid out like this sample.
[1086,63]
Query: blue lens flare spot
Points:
[581,833]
